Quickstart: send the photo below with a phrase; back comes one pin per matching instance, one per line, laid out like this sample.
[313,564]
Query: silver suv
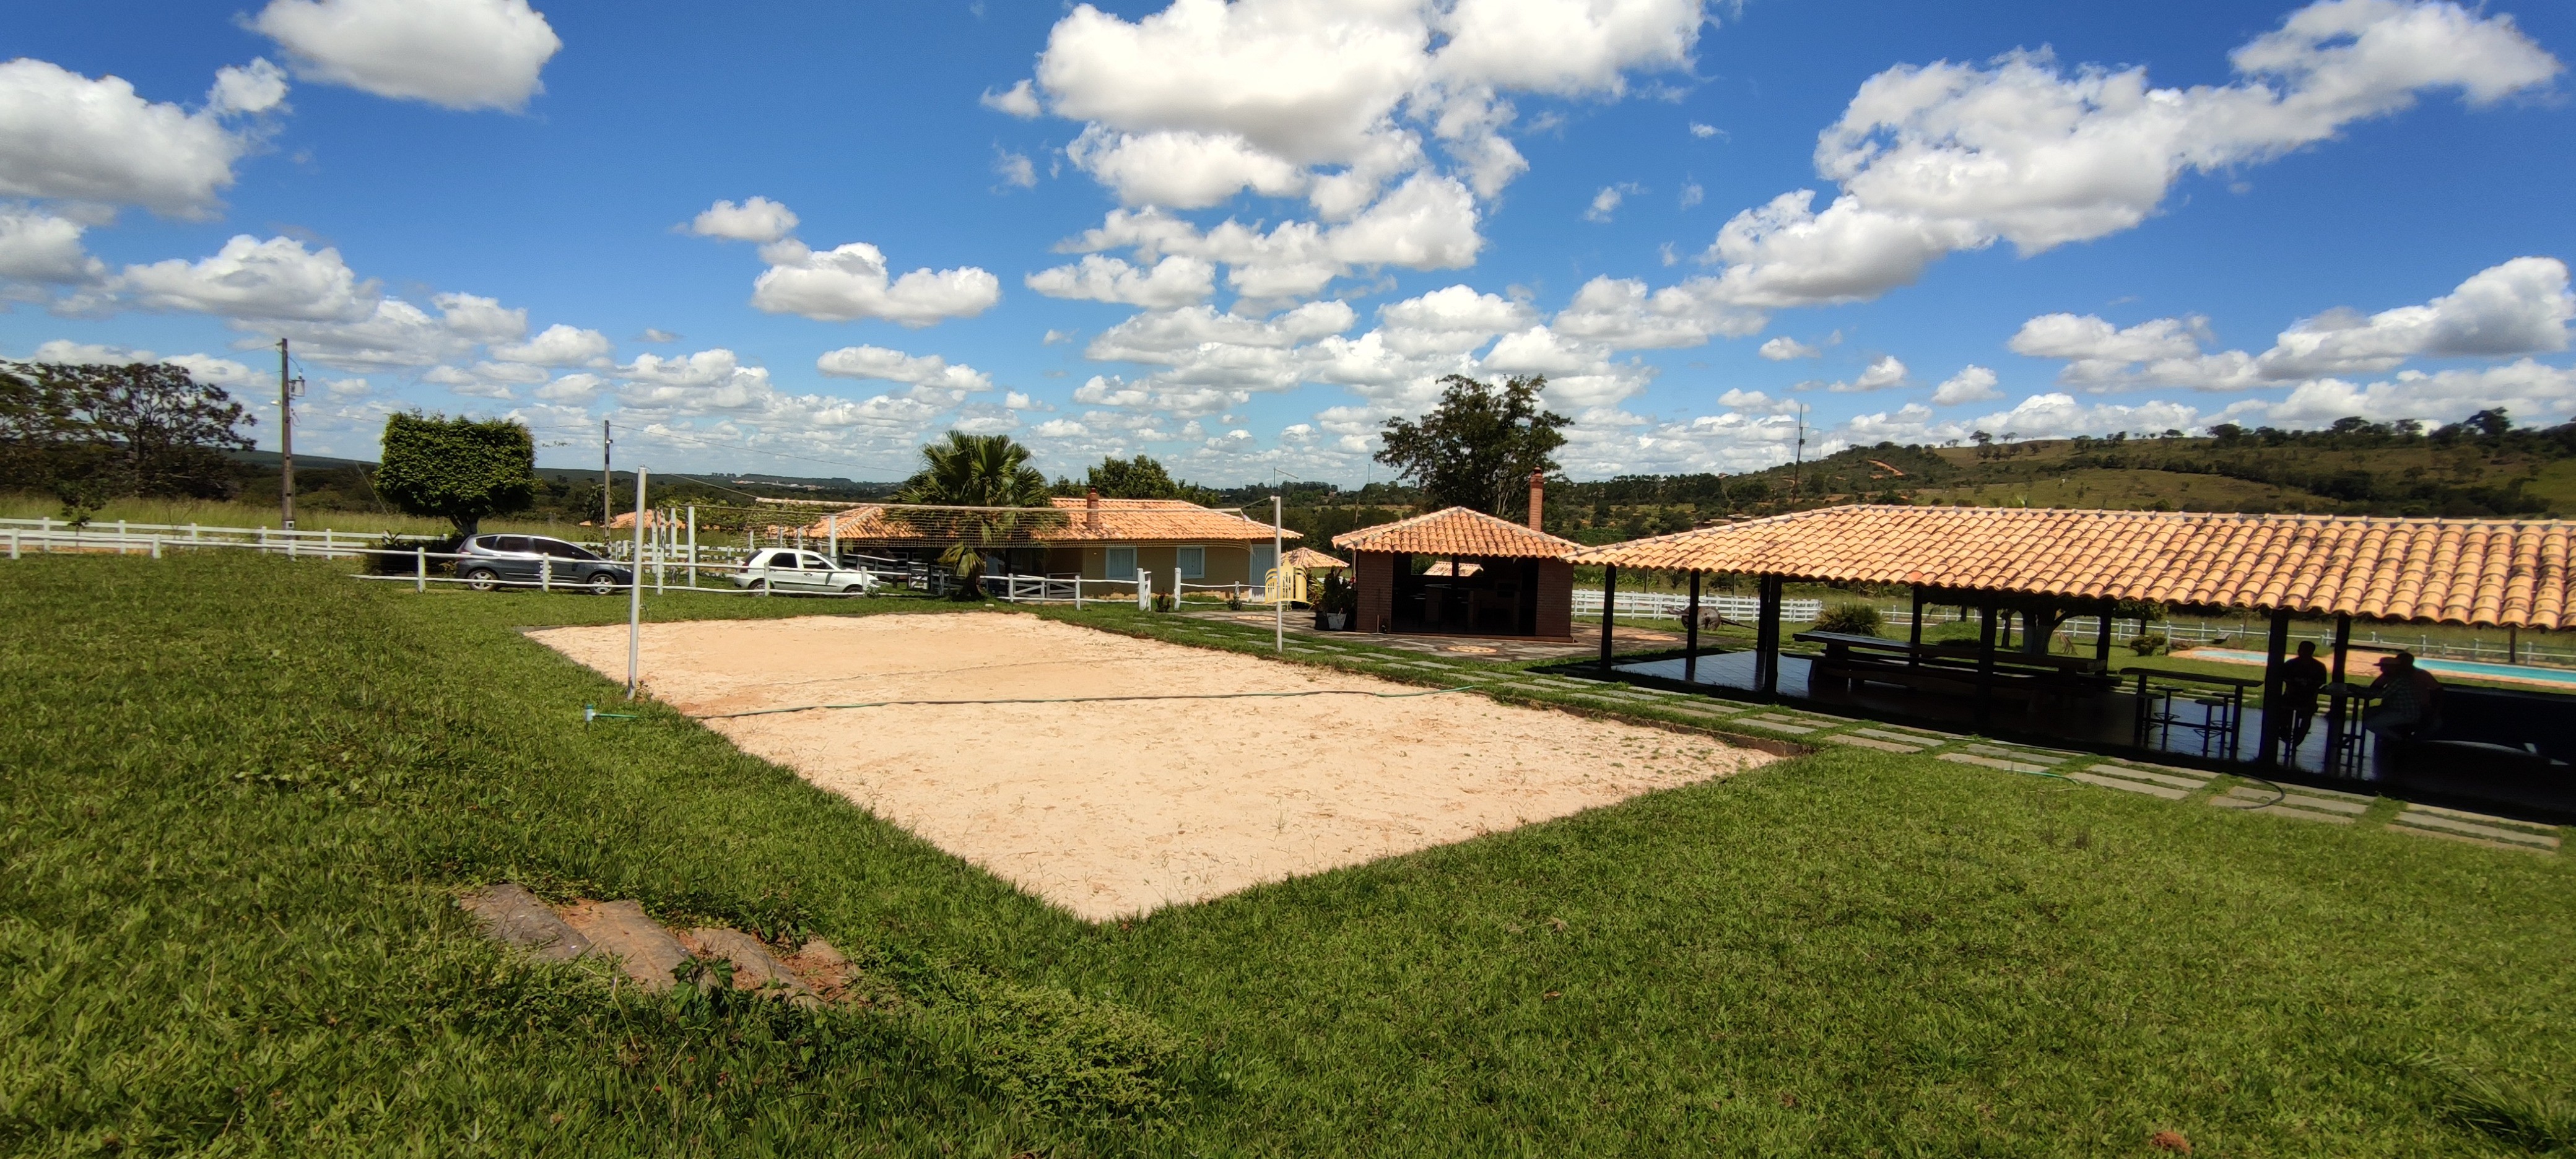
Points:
[491,561]
[788,571]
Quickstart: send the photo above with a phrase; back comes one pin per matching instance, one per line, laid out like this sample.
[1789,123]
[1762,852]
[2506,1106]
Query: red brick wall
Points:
[1555,598]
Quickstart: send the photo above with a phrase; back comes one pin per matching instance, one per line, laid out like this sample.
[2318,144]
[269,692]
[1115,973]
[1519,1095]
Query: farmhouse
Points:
[1090,537]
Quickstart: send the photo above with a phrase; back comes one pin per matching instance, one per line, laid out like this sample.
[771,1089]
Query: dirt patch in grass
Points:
[1116,808]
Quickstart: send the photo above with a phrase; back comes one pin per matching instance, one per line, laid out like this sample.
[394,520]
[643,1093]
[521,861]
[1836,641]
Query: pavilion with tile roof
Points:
[1521,582]
[2049,564]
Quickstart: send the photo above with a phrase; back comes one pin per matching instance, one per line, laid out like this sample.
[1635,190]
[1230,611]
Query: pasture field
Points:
[241,794]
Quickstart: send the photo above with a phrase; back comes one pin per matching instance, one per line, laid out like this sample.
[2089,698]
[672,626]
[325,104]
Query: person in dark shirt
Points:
[2302,676]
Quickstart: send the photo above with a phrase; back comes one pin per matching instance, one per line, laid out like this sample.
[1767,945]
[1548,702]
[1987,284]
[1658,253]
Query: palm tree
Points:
[983,471]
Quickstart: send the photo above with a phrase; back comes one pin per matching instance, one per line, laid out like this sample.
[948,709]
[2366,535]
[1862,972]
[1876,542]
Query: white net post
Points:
[693,545]
[1144,590]
[420,569]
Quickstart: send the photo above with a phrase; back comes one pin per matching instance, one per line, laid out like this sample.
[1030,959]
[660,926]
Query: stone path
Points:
[2302,804]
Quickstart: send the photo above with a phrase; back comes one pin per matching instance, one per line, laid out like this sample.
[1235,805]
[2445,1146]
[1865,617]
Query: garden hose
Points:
[590,713]
[1087,700]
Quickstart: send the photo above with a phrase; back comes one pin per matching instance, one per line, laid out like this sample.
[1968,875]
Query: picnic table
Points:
[1950,668]
[2220,723]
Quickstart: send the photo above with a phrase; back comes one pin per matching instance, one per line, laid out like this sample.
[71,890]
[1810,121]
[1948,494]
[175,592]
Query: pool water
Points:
[2558,676]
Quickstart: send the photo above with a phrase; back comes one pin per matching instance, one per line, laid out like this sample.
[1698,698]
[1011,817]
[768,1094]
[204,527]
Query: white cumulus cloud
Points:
[65,135]
[1784,348]
[1972,384]
[1177,280]
[757,219]
[460,54]
[850,282]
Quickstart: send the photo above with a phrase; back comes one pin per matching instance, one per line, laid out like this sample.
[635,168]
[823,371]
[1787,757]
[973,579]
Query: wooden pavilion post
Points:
[1914,638]
[1986,660]
[2102,639]
[1766,640]
[1609,602]
[2335,707]
[2275,650]
[1690,634]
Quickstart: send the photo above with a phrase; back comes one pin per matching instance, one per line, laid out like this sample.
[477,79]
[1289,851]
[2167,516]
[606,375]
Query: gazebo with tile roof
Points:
[2477,572]
[1523,584]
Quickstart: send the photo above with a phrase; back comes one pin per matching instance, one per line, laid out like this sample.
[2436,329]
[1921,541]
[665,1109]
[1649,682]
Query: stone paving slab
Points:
[646,951]
[1777,723]
[1885,746]
[1993,763]
[2018,753]
[2169,780]
[2410,819]
[1899,736]
[511,914]
[1925,735]
[2483,819]
[2468,840]
[2337,794]
[2126,785]
[2254,800]
[2197,775]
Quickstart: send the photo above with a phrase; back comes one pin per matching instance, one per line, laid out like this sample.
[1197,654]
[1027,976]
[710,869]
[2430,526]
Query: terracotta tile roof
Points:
[1307,557]
[1458,531]
[2460,571]
[1066,521]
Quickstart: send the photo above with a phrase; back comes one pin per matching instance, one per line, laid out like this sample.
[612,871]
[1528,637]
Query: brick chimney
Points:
[1538,500]
[1091,511]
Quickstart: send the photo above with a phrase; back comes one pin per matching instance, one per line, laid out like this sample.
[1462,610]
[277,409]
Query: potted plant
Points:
[1333,611]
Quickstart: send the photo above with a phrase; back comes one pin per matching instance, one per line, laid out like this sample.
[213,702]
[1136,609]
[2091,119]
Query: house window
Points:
[1122,563]
[1192,562]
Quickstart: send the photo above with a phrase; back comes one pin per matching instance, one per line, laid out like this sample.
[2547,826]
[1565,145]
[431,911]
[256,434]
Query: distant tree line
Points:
[87,434]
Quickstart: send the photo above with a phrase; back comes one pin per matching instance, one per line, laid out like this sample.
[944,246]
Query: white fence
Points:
[125,538]
[1671,606]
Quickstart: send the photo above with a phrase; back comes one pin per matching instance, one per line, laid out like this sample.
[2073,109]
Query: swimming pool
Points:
[2558,677]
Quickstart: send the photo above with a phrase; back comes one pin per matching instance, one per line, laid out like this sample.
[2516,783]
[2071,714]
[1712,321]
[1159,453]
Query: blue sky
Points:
[1240,236]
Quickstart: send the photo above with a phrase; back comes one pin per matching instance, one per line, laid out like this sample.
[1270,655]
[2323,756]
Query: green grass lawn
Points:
[240,795]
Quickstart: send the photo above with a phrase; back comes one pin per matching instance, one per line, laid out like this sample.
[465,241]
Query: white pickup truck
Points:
[788,571]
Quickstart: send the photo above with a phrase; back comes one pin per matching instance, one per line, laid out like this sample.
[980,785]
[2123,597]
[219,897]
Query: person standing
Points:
[2302,677]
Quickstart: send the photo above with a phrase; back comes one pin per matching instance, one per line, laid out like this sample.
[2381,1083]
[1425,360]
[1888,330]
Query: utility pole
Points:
[285,441]
[1798,459]
[607,499]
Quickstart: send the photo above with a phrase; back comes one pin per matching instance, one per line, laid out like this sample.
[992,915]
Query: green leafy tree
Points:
[1478,447]
[89,433]
[987,471]
[1140,478]
[457,469]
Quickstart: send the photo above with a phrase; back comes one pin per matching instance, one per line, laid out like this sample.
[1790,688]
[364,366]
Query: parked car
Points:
[490,561]
[788,571]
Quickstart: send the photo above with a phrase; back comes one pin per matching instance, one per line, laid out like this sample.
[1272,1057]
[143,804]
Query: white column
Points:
[1144,590]
[546,573]
[156,547]
[420,569]
[693,545]
[832,524]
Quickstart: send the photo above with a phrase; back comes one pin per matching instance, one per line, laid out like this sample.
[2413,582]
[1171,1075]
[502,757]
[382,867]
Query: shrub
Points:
[2147,644]
[1850,619]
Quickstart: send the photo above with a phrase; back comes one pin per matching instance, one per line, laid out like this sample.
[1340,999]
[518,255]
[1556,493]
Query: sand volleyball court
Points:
[1112,809]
